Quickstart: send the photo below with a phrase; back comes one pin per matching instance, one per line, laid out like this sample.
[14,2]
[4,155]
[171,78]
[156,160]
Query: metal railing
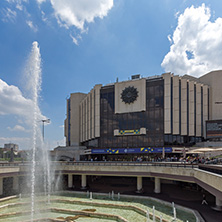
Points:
[211,168]
[129,163]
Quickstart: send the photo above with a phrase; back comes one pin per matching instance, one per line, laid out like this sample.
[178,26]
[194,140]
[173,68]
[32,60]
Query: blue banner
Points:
[132,150]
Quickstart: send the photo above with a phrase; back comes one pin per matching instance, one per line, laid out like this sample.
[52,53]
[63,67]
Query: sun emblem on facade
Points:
[129,94]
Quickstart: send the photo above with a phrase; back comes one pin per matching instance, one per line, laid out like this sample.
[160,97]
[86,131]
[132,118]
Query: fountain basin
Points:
[72,204]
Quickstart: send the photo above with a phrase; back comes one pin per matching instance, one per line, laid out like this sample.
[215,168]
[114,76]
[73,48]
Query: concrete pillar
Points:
[1,185]
[218,203]
[139,183]
[70,180]
[15,183]
[83,181]
[157,185]
[163,153]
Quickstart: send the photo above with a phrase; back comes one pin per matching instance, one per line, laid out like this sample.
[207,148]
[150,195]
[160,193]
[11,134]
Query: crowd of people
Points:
[191,159]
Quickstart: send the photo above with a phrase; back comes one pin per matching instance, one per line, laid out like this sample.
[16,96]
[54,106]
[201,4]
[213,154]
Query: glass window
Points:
[130,141]
[157,91]
[124,141]
[151,91]
[151,119]
[170,139]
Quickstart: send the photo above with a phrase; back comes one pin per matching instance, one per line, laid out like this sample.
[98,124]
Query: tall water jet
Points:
[35,82]
[33,73]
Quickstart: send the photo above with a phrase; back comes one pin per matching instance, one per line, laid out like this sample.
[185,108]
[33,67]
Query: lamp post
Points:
[44,121]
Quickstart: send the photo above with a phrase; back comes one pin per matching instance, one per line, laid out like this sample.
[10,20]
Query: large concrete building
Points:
[146,115]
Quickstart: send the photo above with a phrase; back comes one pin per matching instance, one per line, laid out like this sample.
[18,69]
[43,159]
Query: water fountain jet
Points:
[34,85]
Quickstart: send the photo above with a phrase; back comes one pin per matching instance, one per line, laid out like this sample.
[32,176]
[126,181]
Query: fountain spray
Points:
[34,72]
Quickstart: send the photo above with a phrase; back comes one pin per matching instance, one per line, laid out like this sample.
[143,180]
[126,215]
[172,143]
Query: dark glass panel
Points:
[170,139]
[130,141]
[157,91]
[124,141]
[151,119]
[151,91]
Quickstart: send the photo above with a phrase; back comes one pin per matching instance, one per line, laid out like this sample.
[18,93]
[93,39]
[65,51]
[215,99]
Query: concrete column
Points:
[16,183]
[97,110]
[1,185]
[70,180]
[167,102]
[183,107]
[218,203]
[139,183]
[157,185]
[176,105]
[191,109]
[205,108]
[83,180]
[80,120]
[198,110]
[93,114]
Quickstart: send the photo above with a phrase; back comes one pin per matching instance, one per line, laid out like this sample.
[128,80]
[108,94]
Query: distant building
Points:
[10,146]
[146,115]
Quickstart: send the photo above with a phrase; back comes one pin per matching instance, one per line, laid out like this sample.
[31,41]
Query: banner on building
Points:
[143,150]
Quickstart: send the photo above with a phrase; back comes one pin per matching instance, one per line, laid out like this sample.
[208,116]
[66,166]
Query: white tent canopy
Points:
[204,149]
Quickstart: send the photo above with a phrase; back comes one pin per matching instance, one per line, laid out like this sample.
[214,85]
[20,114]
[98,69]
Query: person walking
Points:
[204,200]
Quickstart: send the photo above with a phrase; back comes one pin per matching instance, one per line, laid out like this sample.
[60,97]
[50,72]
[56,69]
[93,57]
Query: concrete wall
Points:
[191,98]
[90,115]
[136,106]
[97,110]
[198,110]
[191,109]
[209,181]
[176,111]
[213,180]
[214,80]
[185,105]
[205,108]
[75,99]
[167,102]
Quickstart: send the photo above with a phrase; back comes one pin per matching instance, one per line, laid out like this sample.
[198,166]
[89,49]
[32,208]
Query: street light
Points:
[44,121]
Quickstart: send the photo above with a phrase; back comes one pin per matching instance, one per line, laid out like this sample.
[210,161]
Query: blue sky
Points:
[88,42]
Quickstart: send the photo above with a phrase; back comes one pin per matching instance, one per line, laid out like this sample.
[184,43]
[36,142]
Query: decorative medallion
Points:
[129,94]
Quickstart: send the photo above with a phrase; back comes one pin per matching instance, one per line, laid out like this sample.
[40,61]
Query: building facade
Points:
[150,115]
[10,146]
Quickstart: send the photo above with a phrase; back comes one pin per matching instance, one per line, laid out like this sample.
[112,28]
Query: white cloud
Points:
[14,9]
[33,27]
[74,39]
[18,128]
[9,15]
[69,13]
[77,13]
[18,3]
[196,43]
[169,38]
[177,14]
[13,102]
[41,1]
